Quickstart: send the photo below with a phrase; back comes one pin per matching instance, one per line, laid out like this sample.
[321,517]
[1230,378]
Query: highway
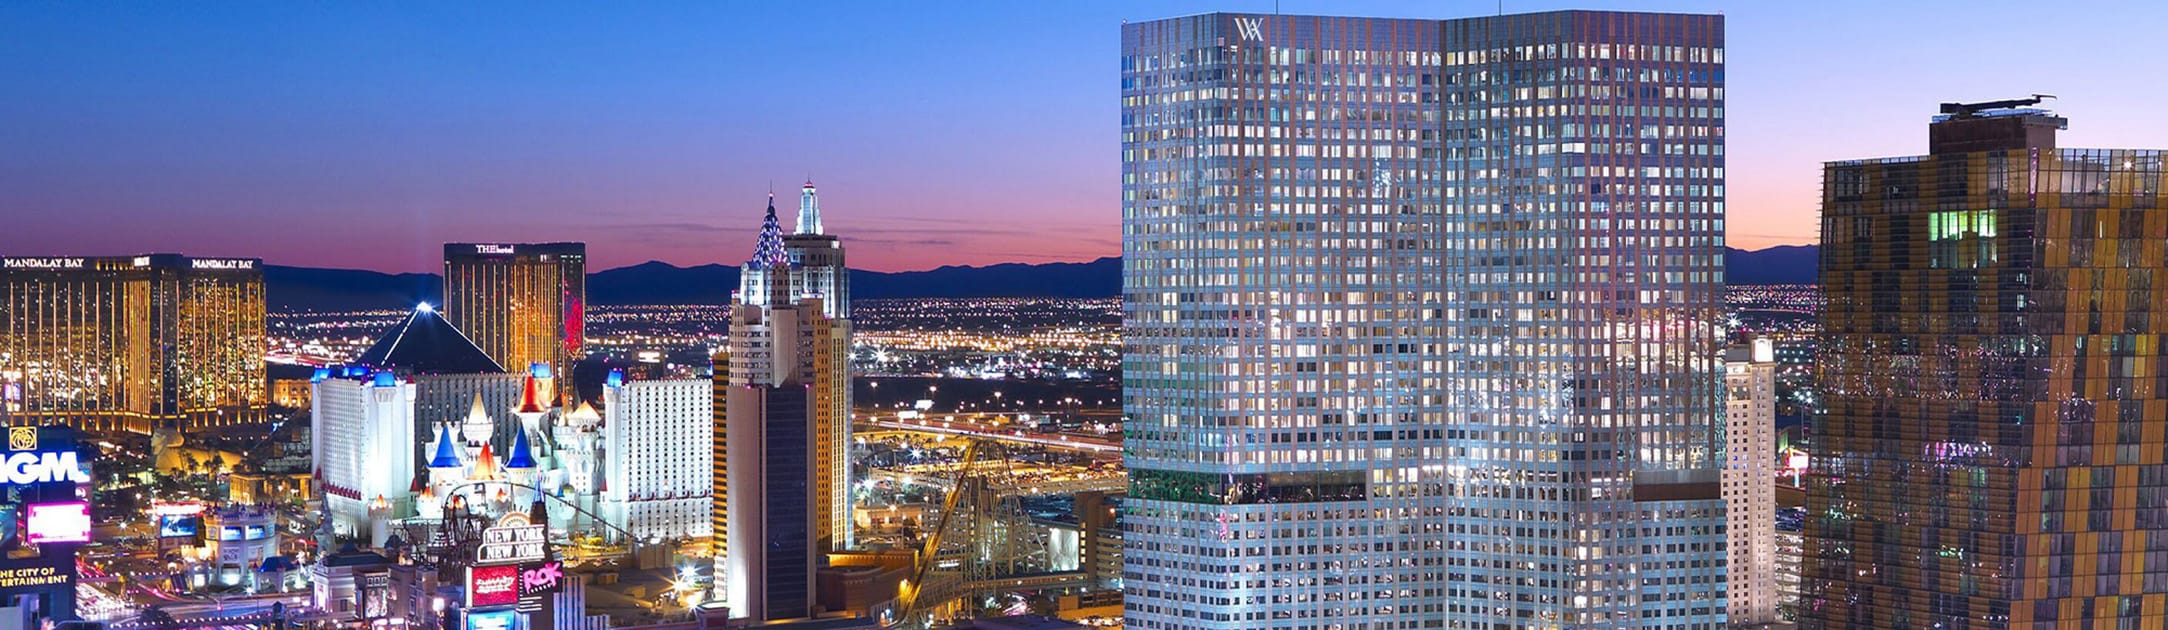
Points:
[950,428]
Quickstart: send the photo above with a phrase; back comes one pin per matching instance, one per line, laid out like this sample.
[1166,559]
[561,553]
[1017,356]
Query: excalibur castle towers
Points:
[1420,321]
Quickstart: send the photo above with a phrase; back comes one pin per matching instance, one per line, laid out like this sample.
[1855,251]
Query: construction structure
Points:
[981,542]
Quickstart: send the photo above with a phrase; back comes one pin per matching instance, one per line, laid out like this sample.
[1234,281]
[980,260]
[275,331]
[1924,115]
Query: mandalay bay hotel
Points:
[1421,321]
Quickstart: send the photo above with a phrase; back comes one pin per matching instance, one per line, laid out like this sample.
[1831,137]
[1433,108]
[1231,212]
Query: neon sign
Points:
[41,263]
[495,249]
[513,540]
[492,586]
[537,579]
[29,468]
[58,523]
[222,263]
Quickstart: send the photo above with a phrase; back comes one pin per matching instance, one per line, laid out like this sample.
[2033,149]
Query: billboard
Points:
[492,620]
[50,579]
[541,578]
[57,522]
[513,540]
[178,526]
[492,586]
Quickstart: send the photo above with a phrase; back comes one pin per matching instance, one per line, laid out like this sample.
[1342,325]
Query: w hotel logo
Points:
[22,438]
[1252,29]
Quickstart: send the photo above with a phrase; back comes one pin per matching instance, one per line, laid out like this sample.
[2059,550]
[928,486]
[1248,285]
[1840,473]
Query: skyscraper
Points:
[1750,481]
[132,342]
[522,303]
[818,272]
[777,439]
[1420,321]
[1991,455]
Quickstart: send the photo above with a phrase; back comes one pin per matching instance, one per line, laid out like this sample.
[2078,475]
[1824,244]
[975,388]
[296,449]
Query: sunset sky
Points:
[365,134]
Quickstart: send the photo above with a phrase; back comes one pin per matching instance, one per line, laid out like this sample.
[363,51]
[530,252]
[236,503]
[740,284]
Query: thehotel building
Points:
[1420,321]
[131,343]
[1992,455]
[522,303]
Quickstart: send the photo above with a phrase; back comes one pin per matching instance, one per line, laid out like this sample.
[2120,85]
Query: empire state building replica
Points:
[782,402]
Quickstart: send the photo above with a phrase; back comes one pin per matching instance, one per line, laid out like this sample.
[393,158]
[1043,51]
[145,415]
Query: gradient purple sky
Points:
[366,134]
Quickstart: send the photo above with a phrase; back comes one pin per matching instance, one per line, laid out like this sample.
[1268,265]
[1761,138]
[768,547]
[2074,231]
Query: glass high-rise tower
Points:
[132,343]
[1421,321]
[523,303]
[1992,452]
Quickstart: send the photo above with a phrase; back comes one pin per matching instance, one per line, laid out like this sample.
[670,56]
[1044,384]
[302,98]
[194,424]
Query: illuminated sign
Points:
[140,261]
[222,263]
[178,526]
[58,522]
[24,577]
[513,540]
[495,249]
[183,508]
[492,620]
[22,438]
[29,468]
[492,586]
[541,578]
[257,532]
[1252,29]
[41,263]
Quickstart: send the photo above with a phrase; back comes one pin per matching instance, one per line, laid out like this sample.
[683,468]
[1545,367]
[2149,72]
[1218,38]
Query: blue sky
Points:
[366,134]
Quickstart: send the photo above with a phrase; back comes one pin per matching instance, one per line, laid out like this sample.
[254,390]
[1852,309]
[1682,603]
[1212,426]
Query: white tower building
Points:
[658,438]
[363,434]
[1750,481]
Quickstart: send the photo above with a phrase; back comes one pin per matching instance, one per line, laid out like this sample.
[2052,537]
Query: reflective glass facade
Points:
[1992,455]
[521,303]
[1420,321]
[132,342]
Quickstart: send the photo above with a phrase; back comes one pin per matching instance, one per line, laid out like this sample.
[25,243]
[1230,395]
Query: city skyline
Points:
[556,125]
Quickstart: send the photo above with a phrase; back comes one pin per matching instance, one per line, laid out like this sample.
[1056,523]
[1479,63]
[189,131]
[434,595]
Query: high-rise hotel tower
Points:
[780,434]
[1996,386]
[817,272]
[522,303]
[132,342]
[1421,321]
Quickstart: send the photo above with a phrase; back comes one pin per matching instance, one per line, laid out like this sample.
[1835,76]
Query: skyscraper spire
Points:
[768,253]
[809,210]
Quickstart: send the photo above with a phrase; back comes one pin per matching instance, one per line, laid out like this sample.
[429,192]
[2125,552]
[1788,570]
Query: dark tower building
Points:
[1997,393]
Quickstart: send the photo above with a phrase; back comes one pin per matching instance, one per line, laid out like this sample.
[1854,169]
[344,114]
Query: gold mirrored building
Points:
[522,303]
[132,343]
[1992,455]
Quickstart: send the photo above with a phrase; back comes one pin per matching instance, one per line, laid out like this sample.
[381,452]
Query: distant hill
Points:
[1783,264]
[303,288]
[307,288]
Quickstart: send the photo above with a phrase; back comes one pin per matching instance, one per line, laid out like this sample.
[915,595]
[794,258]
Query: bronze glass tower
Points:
[1992,451]
[132,342]
[521,303]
